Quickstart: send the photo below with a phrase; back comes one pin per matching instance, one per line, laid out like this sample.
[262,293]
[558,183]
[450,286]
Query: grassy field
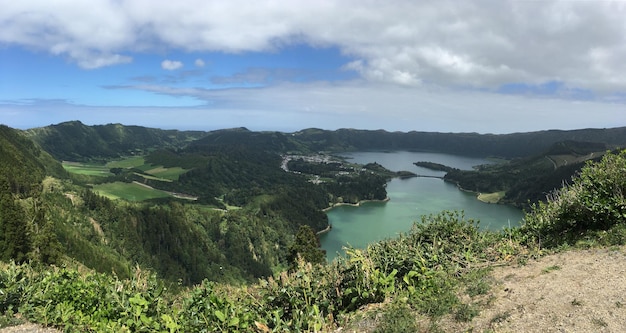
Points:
[167,173]
[157,171]
[153,177]
[491,197]
[561,160]
[130,162]
[128,191]
[86,169]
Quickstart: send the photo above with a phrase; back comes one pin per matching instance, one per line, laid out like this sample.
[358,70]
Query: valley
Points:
[234,207]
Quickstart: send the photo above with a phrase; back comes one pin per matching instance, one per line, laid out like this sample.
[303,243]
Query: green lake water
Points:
[410,199]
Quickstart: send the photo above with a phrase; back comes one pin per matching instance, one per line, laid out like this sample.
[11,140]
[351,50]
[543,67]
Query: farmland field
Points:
[128,191]
[130,162]
[86,169]
[167,173]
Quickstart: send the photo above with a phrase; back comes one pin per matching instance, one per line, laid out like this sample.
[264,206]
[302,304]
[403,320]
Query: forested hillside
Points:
[74,141]
[526,181]
[232,214]
[24,231]
[473,144]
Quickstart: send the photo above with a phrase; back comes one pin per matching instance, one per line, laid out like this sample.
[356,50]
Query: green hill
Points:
[528,180]
[24,164]
[74,141]
[500,145]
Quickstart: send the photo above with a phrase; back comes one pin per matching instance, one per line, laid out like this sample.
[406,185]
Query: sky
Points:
[486,66]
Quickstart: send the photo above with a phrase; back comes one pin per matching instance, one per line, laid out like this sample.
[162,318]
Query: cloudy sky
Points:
[488,66]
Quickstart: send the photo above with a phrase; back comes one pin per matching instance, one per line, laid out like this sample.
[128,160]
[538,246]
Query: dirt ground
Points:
[573,291]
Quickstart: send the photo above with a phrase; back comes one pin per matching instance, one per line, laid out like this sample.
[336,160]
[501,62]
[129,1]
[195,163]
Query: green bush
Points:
[397,318]
[595,201]
[207,311]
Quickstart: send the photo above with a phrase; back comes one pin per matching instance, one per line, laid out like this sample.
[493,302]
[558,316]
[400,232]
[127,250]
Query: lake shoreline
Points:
[411,199]
[358,204]
[338,204]
[477,194]
[327,229]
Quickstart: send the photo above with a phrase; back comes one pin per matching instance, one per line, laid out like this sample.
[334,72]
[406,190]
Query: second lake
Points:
[410,199]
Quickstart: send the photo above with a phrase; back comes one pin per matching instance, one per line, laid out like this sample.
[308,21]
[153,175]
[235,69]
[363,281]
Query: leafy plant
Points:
[397,317]
[595,201]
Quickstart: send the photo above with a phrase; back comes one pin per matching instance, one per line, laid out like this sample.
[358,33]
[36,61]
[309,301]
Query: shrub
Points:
[397,317]
[595,201]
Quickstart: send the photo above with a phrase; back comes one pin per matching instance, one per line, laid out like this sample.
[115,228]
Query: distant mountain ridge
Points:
[473,144]
[75,141]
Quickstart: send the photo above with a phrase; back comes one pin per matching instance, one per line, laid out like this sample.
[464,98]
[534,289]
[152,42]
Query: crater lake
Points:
[410,199]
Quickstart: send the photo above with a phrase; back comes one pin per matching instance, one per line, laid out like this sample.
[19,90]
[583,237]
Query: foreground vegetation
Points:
[434,271]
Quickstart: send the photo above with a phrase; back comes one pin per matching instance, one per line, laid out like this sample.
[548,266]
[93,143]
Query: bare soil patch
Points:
[572,291]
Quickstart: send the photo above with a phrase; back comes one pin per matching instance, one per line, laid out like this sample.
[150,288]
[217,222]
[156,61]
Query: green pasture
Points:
[491,197]
[86,169]
[128,191]
[146,176]
[130,162]
[562,160]
[167,173]
[154,172]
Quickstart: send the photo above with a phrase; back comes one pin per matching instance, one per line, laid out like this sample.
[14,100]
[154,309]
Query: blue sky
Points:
[485,66]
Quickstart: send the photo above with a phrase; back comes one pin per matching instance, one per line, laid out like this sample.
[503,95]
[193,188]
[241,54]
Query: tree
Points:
[306,246]
[45,245]
[14,240]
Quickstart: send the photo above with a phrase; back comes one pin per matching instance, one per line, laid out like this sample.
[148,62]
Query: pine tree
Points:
[307,246]
[14,240]
[46,247]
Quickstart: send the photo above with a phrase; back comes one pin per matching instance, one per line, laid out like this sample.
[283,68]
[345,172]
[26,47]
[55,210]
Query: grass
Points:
[491,197]
[153,177]
[128,191]
[87,169]
[551,269]
[166,173]
[562,160]
[159,172]
[576,302]
[130,162]
[500,317]
[599,322]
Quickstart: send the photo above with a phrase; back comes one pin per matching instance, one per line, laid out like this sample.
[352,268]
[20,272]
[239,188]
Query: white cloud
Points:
[171,65]
[373,105]
[199,63]
[481,43]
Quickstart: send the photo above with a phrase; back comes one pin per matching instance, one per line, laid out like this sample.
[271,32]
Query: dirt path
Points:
[28,328]
[574,291]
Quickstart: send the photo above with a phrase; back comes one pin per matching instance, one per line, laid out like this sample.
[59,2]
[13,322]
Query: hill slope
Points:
[74,141]
[524,181]
[23,163]
[501,145]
